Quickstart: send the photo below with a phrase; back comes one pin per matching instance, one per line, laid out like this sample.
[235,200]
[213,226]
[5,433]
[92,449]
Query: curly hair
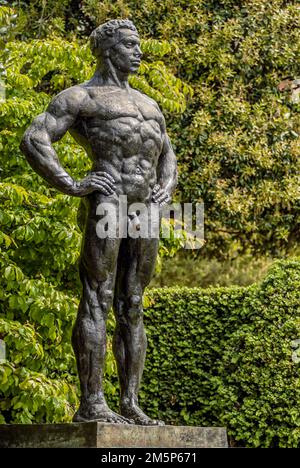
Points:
[106,35]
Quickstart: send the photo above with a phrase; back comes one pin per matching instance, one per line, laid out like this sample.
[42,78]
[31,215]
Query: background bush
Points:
[238,141]
[228,357]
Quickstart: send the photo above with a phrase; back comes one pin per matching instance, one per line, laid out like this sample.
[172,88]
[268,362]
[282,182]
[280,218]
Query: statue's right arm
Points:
[50,127]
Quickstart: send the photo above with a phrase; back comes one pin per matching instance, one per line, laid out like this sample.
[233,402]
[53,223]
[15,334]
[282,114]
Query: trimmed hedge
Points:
[228,356]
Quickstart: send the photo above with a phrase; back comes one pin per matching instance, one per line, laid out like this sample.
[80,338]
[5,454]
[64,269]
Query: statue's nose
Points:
[138,52]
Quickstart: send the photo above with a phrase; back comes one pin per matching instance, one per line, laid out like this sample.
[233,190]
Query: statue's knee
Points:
[105,300]
[135,309]
[135,301]
[98,276]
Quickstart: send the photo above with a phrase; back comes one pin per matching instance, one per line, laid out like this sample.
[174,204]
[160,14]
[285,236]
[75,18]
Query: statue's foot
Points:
[100,413]
[133,412]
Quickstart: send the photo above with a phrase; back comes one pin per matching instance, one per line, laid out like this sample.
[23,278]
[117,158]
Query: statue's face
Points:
[126,55]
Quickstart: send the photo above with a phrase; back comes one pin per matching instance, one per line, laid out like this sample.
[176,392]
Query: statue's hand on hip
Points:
[160,195]
[95,181]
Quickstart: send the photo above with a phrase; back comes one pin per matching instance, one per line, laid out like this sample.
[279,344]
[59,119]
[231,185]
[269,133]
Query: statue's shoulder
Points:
[69,100]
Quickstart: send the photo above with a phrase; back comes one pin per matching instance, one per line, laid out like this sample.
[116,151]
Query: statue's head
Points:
[117,40]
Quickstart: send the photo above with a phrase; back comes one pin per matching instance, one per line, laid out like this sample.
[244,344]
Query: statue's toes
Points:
[122,419]
[127,421]
[117,419]
[151,422]
[111,420]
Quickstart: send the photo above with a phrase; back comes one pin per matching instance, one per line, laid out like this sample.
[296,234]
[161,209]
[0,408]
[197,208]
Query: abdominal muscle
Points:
[128,149]
[135,176]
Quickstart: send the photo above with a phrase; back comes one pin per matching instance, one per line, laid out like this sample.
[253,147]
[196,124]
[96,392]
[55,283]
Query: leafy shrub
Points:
[185,269]
[238,141]
[228,357]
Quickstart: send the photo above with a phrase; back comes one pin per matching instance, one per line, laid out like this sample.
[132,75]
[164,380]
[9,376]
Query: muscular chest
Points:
[114,103]
[122,117]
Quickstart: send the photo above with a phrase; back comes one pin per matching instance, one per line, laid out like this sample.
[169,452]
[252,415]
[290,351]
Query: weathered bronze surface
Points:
[124,133]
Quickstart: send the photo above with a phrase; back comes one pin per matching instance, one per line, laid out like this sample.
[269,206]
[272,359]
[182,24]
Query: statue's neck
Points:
[107,75]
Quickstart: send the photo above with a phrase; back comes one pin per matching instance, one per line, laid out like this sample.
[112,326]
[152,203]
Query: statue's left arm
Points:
[167,173]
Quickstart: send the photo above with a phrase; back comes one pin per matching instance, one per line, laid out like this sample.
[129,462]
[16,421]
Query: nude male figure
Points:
[124,134]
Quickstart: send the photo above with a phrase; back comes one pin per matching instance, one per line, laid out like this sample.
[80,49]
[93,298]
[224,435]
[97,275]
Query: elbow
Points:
[26,147]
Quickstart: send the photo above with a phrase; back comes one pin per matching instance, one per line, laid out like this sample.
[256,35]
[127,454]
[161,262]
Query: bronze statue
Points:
[123,131]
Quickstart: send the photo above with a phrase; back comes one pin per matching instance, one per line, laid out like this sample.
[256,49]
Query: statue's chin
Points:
[134,68]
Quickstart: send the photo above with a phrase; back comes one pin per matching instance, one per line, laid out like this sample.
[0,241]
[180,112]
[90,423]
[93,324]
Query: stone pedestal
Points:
[99,435]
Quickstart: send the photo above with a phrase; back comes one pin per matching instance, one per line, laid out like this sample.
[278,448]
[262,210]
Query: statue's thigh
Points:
[137,262]
[98,256]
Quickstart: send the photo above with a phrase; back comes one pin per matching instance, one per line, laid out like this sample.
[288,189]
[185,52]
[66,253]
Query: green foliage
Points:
[223,356]
[187,270]
[238,141]
[28,396]
[228,357]
[38,382]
